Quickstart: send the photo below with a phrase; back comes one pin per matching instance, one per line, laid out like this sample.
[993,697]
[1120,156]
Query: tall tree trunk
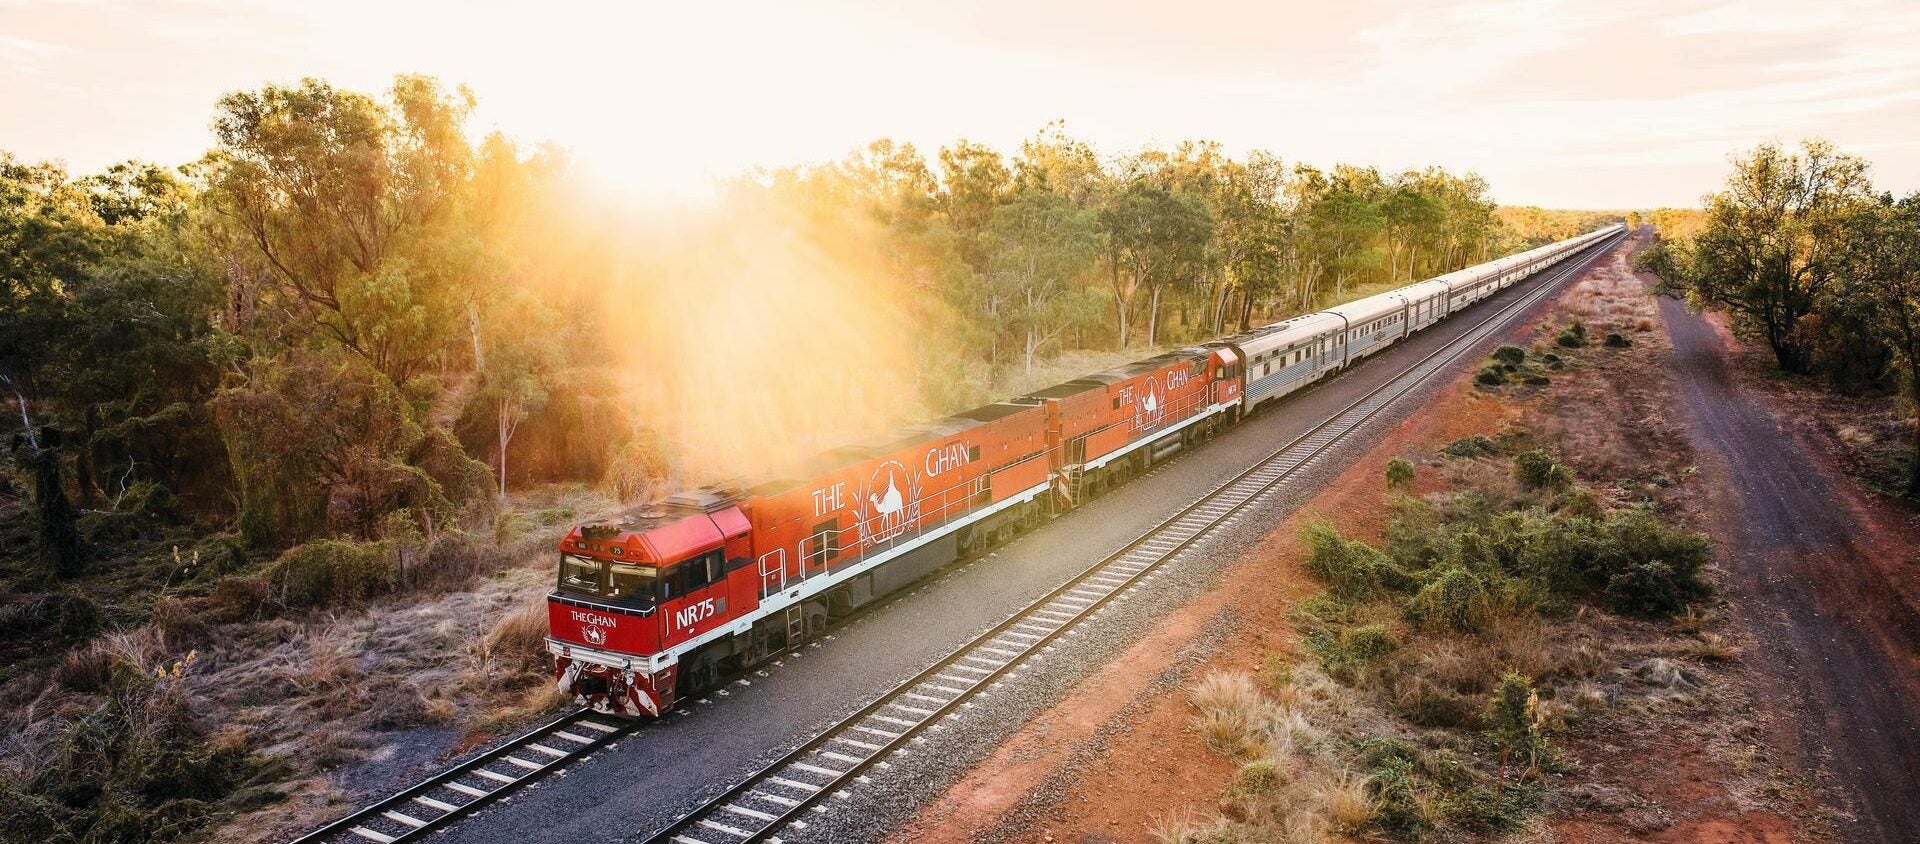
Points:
[505,420]
[1153,317]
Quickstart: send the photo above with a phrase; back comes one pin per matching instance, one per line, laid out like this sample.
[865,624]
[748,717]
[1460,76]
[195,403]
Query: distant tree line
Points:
[350,318]
[1803,253]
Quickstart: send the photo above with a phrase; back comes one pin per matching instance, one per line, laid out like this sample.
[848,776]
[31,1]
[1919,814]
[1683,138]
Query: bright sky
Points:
[1592,104]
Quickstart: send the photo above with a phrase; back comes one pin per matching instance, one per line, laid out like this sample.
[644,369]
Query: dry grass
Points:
[1344,802]
[1707,647]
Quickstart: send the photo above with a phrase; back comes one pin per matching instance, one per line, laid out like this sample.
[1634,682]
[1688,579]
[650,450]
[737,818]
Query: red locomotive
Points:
[672,598]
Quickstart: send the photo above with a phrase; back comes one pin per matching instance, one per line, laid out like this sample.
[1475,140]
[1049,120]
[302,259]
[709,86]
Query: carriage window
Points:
[973,453]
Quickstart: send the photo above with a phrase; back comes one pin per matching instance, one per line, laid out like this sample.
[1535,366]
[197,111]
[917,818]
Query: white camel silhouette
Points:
[1151,405]
[891,503]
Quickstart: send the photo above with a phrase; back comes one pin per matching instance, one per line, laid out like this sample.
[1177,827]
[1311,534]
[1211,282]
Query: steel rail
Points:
[776,795]
[465,788]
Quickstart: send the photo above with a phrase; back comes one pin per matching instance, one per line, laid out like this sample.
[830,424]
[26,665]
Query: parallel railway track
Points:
[465,788]
[777,796]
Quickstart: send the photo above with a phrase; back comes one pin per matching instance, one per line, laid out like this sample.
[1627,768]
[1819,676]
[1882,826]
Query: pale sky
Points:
[1589,104]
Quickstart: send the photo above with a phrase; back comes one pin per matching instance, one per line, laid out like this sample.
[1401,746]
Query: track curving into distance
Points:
[778,795]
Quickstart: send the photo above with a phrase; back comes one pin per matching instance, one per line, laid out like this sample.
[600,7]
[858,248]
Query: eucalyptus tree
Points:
[1041,244]
[1773,239]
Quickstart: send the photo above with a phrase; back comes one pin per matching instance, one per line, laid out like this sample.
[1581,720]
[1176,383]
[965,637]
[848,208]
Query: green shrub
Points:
[332,572]
[1573,336]
[1535,379]
[1399,473]
[1346,653]
[1650,568]
[1471,446]
[1351,569]
[1616,340]
[1651,589]
[1491,376]
[1533,468]
[1455,600]
[1434,707]
[1560,477]
[1553,361]
[1510,355]
[1395,788]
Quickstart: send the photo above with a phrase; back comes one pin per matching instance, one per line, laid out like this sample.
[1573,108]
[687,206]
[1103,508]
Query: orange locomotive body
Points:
[677,595]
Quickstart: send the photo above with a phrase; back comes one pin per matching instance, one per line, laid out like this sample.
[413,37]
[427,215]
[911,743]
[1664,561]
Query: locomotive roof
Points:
[1061,391]
[1142,367]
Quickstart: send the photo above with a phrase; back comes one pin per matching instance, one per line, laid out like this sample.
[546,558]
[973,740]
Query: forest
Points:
[345,353]
[348,319]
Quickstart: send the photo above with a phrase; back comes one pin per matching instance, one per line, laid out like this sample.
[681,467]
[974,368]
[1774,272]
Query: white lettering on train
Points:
[594,619]
[693,614]
[948,457]
[830,499]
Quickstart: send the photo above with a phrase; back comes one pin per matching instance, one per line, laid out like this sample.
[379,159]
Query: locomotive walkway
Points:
[660,772]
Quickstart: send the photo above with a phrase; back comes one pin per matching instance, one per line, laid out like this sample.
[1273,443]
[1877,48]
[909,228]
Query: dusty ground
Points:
[1827,579]
[1712,766]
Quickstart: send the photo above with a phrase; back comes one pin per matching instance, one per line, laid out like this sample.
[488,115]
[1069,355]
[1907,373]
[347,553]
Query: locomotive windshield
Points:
[627,583]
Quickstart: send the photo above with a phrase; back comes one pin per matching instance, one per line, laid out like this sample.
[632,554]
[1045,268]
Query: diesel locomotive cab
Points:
[635,593]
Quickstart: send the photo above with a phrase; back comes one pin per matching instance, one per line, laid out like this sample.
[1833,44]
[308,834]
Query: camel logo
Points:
[593,634]
[890,503]
[1150,405]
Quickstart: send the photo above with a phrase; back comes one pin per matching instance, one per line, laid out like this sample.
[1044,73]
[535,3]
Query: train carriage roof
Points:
[1360,311]
[1278,335]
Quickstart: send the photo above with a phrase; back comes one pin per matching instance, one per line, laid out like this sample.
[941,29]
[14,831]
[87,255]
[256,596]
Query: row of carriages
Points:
[852,524]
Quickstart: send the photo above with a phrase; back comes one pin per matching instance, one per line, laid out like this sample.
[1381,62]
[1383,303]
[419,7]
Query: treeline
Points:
[350,318]
[1802,251]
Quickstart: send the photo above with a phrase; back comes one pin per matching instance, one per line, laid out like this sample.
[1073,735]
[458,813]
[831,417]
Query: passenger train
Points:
[672,598]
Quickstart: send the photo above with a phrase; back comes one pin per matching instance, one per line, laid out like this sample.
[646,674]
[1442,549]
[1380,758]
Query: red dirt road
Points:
[1825,579]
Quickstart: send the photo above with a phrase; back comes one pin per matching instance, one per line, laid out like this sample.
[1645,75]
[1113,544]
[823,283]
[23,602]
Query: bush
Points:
[1553,361]
[1616,340]
[1491,376]
[1533,468]
[1650,589]
[1535,379]
[1471,446]
[1253,779]
[1559,478]
[1396,792]
[1456,600]
[1399,473]
[1351,569]
[1573,336]
[1354,649]
[332,572]
[1510,355]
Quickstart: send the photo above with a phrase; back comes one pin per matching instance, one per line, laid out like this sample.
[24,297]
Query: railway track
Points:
[465,788]
[780,794]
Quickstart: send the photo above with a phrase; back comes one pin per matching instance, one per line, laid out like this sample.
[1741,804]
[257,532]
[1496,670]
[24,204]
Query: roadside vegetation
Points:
[1440,663]
[1803,255]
